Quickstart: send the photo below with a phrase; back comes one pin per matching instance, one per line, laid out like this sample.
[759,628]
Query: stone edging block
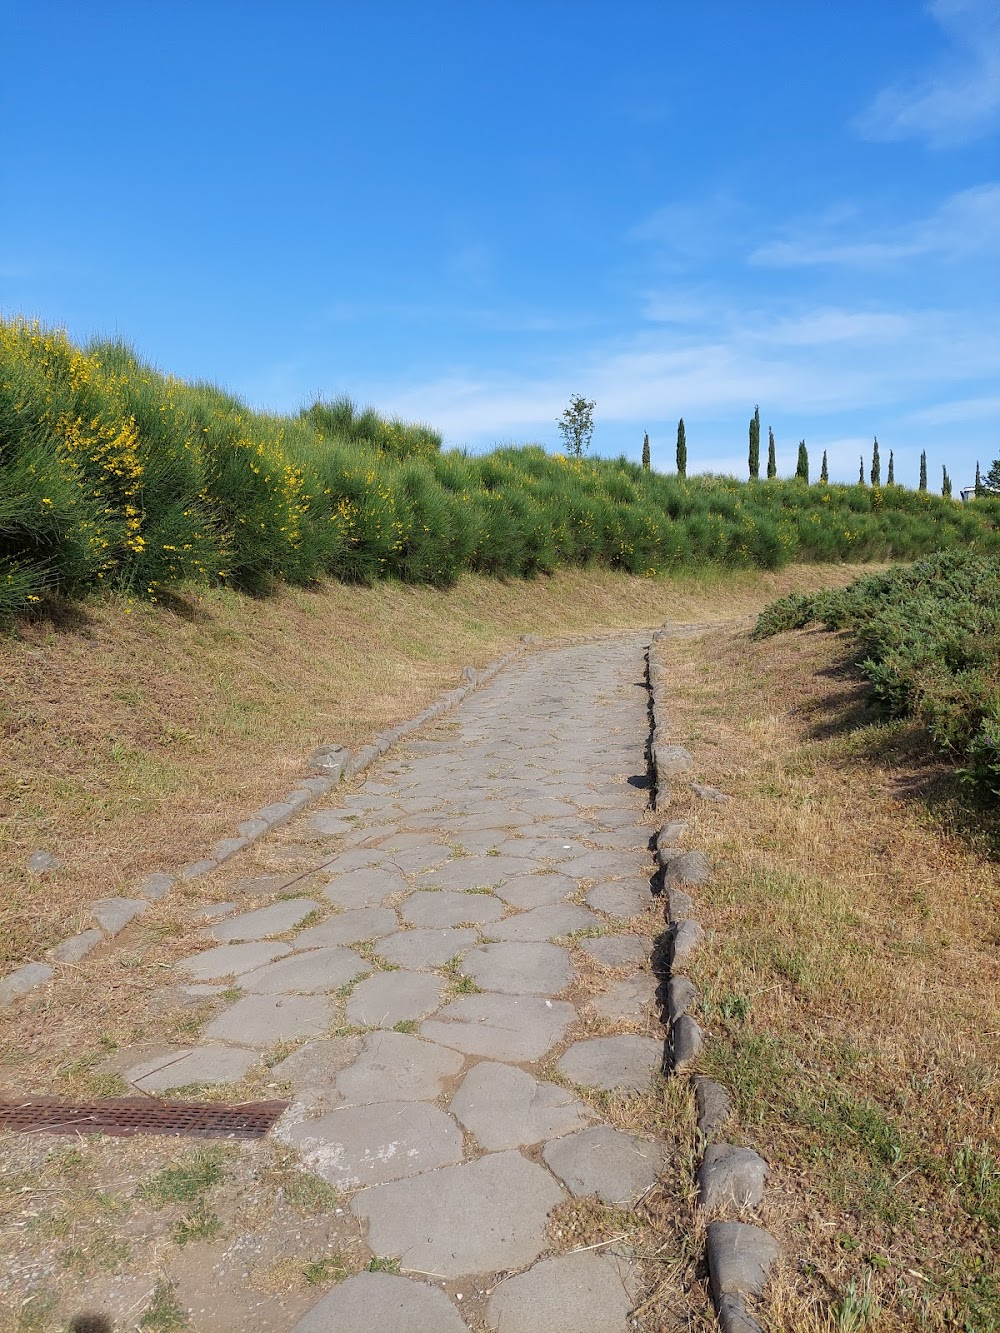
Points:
[739,1255]
[739,1260]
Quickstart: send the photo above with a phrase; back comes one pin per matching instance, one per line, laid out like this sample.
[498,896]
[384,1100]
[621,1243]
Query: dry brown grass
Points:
[133,737]
[849,983]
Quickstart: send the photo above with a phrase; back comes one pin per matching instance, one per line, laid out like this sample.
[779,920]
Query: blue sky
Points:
[466,212]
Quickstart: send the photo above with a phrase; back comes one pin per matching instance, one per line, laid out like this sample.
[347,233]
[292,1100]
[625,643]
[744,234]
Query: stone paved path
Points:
[467,885]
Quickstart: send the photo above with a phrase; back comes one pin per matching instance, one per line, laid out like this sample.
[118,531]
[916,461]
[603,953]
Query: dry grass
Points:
[850,984]
[133,737]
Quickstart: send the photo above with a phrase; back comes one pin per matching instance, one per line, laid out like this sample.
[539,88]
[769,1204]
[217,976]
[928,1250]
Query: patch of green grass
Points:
[975,1171]
[406,1025]
[164,1313]
[331,1268]
[307,1194]
[199,1224]
[380,1264]
[185,1182]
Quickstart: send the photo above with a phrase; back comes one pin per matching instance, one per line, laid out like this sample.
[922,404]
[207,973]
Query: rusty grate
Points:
[140,1115]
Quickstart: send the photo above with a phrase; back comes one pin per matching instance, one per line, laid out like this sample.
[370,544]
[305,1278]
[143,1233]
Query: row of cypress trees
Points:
[802,462]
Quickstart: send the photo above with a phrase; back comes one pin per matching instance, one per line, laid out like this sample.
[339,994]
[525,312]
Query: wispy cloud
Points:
[966,224]
[819,361]
[958,101]
[960,409]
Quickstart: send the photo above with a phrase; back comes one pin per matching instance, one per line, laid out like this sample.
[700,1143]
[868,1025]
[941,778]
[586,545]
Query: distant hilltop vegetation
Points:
[115,476]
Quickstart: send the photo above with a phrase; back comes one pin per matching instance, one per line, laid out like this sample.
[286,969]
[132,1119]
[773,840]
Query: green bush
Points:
[928,639]
[114,475]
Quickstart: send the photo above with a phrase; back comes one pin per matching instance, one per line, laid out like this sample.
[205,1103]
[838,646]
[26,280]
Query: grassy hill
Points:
[113,475]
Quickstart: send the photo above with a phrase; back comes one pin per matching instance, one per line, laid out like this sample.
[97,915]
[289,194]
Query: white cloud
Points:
[958,101]
[960,409]
[821,361]
[964,225]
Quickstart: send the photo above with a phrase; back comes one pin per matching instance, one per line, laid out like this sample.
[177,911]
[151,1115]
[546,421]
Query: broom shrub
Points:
[115,475]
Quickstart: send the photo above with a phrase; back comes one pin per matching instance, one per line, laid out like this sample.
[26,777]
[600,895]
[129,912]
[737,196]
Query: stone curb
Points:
[729,1177]
[328,764]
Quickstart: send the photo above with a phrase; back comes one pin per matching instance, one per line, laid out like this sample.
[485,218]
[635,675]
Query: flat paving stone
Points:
[363,923]
[388,998]
[470,872]
[272,920]
[527,891]
[313,1071]
[616,1167]
[500,1027]
[260,1020]
[554,849]
[356,858]
[394,1066]
[382,1303]
[432,910]
[520,968]
[634,998]
[114,914]
[481,1217]
[359,1146]
[312,972]
[327,823]
[618,950]
[577,1293]
[602,865]
[500,817]
[364,888]
[620,898]
[504,1107]
[546,923]
[194,1064]
[546,806]
[417,859]
[231,960]
[425,948]
[625,839]
[613,1062]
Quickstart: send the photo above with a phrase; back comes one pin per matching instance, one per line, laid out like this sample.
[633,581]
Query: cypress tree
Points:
[891,478]
[824,471]
[861,471]
[802,465]
[979,479]
[876,465]
[645,451]
[923,471]
[682,450]
[754,456]
[772,462]
[945,482]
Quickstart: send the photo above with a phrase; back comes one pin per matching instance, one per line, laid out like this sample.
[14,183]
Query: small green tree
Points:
[645,451]
[772,461]
[576,425]
[802,465]
[861,471]
[979,479]
[945,482]
[991,481]
[922,486]
[891,478]
[682,450]
[824,471]
[876,465]
[754,456]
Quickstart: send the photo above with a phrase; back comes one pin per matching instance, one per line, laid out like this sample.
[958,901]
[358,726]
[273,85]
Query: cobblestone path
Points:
[468,887]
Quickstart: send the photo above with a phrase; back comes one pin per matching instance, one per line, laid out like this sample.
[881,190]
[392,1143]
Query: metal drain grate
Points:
[140,1115]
